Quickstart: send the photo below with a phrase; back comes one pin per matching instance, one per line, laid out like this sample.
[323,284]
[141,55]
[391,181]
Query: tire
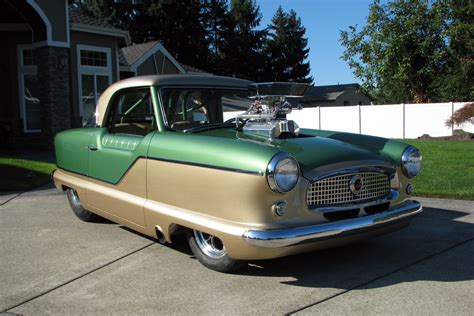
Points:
[211,252]
[77,208]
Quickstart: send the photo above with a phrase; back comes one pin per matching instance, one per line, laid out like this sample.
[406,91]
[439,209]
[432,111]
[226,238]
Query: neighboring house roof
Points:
[131,54]
[78,15]
[83,21]
[131,57]
[191,69]
[328,93]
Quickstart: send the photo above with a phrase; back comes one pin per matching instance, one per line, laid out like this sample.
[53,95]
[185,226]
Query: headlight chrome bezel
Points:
[411,161]
[272,172]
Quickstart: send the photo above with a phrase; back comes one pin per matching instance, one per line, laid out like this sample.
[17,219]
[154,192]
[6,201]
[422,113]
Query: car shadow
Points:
[430,235]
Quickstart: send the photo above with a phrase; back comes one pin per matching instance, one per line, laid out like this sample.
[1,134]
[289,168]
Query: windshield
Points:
[191,108]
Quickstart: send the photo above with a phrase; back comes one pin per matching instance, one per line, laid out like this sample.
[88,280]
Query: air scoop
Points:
[267,114]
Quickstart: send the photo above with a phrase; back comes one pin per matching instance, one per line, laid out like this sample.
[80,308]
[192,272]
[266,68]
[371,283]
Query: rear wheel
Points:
[77,208]
[211,252]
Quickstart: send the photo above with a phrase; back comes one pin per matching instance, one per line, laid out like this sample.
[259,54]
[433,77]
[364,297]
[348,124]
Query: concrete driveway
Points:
[52,263]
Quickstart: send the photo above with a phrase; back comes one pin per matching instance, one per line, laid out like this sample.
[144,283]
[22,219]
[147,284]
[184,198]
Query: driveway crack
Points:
[76,278]
[12,198]
[380,277]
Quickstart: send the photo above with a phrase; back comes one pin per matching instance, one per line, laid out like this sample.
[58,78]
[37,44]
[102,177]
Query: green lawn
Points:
[20,174]
[447,168]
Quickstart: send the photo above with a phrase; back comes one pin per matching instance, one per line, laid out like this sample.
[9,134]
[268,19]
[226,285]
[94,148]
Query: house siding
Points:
[55,12]
[169,68]
[147,68]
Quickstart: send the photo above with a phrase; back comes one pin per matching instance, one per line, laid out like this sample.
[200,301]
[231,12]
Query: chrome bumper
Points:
[274,238]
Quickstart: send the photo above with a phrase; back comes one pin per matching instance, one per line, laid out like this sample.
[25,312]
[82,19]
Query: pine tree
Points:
[244,42]
[120,14]
[217,25]
[179,26]
[287,49]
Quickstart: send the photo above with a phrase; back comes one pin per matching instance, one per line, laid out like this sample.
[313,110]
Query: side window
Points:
[132,113]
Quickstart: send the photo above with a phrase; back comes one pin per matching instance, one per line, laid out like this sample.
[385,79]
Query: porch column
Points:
[53,75]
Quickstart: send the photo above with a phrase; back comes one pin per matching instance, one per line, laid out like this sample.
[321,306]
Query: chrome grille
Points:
[335,191]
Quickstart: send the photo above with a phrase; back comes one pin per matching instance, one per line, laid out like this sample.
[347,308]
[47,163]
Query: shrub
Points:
[463,115]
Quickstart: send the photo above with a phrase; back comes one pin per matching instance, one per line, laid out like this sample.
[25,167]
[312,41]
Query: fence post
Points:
[319,117]
[452,113]
[360,120]
[403,108]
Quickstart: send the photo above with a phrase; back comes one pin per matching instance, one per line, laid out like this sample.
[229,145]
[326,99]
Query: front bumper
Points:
[275,238]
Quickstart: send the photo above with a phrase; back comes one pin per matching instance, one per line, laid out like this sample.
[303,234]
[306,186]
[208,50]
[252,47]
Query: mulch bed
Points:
[457,135]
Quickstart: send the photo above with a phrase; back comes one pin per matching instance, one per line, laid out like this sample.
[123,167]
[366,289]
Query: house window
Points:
[346,103]
[92,58]
[28,82]
[95,75]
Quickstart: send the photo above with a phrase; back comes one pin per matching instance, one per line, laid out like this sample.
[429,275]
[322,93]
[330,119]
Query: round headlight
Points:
[282,173]
[411,162]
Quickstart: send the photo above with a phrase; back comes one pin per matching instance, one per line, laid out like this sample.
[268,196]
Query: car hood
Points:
[314,154]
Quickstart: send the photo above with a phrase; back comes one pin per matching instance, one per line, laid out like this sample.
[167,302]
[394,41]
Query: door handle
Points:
[91,147]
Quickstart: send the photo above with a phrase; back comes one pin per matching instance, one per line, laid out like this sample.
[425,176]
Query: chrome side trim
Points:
[292,236]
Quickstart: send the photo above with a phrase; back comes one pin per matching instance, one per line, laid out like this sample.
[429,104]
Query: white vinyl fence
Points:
[391,121]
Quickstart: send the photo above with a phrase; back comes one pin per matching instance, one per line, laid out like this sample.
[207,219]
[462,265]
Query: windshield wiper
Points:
[208,127]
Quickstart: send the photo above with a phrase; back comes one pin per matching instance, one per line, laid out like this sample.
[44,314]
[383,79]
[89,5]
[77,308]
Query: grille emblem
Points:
[356,184]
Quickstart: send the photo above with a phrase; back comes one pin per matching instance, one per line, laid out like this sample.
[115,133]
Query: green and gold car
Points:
[162,160]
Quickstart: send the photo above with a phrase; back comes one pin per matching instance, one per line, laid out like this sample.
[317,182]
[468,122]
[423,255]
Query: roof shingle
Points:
[78,15]
[130,54]
[328,93]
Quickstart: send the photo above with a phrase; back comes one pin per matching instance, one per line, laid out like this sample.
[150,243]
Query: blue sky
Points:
[323,19]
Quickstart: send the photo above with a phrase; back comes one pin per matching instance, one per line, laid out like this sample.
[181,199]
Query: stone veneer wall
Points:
[54,91]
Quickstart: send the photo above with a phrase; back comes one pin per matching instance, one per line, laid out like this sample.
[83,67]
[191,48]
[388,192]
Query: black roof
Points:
[328,93]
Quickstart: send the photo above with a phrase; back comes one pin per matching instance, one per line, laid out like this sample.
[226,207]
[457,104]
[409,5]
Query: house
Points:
[57,60]
[335,95]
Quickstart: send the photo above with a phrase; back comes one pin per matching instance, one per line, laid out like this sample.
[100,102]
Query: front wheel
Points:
[211,252]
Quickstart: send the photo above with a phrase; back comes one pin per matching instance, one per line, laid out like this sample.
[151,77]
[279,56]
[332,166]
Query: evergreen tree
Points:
[217,22]
[287,49]
[243,47]
[218,36]
[120,14]
[179,26]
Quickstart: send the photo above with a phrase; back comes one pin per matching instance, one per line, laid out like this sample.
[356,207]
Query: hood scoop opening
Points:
[267,114]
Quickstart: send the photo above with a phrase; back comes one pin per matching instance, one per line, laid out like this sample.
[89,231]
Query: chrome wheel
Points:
[77,208]
[210,245]
[74,198]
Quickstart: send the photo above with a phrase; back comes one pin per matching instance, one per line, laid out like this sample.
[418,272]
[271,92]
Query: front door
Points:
[117,159]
